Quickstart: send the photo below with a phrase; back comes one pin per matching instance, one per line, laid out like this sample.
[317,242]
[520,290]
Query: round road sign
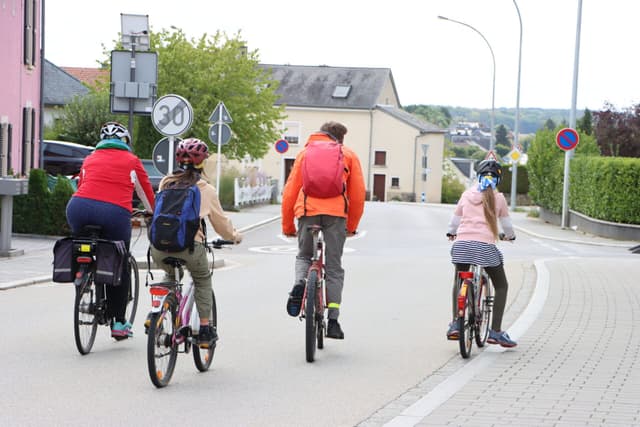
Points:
[220,131]
[282,146]
[567,139]
[160,154]
[172,115]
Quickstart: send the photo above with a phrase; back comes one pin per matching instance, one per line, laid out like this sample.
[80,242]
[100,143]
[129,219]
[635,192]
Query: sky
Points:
[433,61]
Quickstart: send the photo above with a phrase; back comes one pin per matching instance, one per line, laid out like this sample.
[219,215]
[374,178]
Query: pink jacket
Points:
[468,220]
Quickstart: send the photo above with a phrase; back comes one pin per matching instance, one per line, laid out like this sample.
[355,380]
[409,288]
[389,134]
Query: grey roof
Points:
[313,86]
[464,165]
[59,87]
[410,119]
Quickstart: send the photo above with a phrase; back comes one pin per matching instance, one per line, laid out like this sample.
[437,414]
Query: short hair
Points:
[335,129]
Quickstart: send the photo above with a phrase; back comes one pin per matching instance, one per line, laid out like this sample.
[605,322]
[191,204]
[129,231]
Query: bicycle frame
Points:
[474,303]
[317,265]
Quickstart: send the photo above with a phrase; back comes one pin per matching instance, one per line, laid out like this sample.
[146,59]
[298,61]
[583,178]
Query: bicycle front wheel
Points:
[85,321]
[483,319]
[310,316]
[465,324]
[204,356]
[133,291]
[162,350]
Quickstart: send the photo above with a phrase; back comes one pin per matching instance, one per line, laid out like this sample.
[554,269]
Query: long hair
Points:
[489,207]
[183,177]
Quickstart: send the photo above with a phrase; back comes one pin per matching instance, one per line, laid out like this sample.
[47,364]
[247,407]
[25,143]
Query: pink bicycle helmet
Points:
[191,150]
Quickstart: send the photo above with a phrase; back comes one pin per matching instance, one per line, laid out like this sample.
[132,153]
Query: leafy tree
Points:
[585,124]
[437,115]
[502,150]
[501,136]
[618,132]
[206,71]
[549,124]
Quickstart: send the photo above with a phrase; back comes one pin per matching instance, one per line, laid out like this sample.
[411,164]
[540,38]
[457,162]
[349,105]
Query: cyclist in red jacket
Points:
[106,183]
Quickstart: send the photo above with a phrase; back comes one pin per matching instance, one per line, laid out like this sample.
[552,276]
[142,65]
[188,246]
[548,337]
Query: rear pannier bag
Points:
[64,268]
[110,259]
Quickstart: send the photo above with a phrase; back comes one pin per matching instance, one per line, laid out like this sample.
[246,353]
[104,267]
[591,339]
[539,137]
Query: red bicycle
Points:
[313,300]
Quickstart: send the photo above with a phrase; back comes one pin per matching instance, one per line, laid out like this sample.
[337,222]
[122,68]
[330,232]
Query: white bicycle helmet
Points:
[114,130]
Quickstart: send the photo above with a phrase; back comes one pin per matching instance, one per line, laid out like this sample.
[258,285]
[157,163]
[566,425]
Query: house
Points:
[401,156]
[20,95]
[59,88]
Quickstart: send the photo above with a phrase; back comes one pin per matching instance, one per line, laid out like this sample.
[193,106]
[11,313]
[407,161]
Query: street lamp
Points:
[516,130]
[492,142]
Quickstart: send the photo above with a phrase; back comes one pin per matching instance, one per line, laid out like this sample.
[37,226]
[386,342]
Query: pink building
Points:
[20,86]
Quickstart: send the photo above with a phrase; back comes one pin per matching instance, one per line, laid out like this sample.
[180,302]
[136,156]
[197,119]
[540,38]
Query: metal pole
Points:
[492,141]
[572,121]
[516,130]
[133,79]
[219,160]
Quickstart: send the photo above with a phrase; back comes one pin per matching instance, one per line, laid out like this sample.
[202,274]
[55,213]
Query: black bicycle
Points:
[91,303]
[313,301]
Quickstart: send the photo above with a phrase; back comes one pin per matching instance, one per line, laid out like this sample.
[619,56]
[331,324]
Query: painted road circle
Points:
[567,139]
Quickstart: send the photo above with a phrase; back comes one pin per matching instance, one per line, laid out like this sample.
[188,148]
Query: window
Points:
[395,181]
[5,148]
[380,158]
[291,132]
[341,91]
[28,131]
[30,32]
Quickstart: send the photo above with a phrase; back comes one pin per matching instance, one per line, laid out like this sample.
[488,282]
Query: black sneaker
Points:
[334,330]
[207,336]
[294,303]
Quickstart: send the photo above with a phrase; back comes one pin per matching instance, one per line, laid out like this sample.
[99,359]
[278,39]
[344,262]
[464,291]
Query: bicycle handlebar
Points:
[501,236]
[218,243]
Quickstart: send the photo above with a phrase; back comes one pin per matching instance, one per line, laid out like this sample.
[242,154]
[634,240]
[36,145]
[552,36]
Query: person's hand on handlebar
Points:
[451,237]
[504,237]
[352,233]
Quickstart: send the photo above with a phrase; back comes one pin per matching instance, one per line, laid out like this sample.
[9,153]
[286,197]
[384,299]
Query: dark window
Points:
[395,181]
[380,158]
[30,32]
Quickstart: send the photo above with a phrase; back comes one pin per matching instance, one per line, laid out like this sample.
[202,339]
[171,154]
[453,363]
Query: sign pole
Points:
[219,162]
[172,155]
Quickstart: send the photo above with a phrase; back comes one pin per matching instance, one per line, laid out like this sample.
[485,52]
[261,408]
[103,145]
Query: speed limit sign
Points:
[172,115]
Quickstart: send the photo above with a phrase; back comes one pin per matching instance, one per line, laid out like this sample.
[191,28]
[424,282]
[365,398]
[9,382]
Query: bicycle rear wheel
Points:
[133,292]
[162,350]
[465,324]
[484,303]
[204,356]
[310,316]
[85,321]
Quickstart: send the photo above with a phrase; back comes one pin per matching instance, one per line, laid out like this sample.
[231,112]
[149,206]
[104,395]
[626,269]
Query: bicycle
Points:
[174,321]
[474,305]
[314,297]
[91,304]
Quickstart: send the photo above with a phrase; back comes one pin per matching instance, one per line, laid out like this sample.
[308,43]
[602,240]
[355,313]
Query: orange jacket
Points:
[293,198]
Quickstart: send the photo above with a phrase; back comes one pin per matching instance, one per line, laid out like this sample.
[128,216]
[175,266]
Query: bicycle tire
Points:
[465,325]
[310,316]
[320,324]
[483,321]
[203,357]
[85,321]
[133,293]
[162,351]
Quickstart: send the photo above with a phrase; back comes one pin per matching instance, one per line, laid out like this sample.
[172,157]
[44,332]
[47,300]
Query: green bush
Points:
[522,181]
[42,211]
[452,189]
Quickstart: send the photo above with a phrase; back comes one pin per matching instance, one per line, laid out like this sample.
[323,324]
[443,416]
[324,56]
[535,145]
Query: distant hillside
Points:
[531,119]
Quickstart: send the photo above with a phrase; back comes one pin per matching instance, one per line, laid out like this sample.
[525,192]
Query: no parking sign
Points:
[567,139]
[282,146]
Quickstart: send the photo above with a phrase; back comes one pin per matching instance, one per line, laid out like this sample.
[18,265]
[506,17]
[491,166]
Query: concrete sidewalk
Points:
[35,264]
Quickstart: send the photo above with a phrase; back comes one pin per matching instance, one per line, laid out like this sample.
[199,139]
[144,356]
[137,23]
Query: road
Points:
[395,312]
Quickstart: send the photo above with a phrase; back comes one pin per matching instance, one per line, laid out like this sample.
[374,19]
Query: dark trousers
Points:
[501,286]
[116,225]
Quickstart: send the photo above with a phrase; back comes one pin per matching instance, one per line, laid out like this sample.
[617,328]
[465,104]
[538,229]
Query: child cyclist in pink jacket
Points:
[474,226]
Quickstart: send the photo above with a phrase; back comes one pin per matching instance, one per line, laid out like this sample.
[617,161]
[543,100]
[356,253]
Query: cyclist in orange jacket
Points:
[339,217]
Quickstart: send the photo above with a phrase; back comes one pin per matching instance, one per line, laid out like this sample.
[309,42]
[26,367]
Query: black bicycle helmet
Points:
[490,167]
[114,130]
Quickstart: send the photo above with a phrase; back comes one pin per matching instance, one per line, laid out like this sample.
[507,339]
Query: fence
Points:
[246,194]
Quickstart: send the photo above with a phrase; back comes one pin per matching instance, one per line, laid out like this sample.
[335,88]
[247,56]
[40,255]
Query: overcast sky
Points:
[433,61]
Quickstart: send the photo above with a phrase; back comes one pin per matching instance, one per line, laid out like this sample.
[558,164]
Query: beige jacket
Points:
[210,208]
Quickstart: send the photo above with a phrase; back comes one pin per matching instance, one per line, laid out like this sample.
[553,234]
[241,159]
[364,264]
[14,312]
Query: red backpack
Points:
[323,169]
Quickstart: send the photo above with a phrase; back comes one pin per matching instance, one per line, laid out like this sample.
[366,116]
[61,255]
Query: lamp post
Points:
[516,130]
[492,141]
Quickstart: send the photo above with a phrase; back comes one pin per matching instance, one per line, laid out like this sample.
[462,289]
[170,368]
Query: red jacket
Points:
[111,175]
[293,198]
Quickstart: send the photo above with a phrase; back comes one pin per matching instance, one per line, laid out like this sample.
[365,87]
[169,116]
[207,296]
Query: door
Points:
[378,187]
[288,165]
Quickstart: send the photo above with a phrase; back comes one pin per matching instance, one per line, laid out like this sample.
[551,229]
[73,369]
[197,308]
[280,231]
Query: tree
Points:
[585,124]
[549,124]
[436,115]
[501,136]
[618,132]
[206,71]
